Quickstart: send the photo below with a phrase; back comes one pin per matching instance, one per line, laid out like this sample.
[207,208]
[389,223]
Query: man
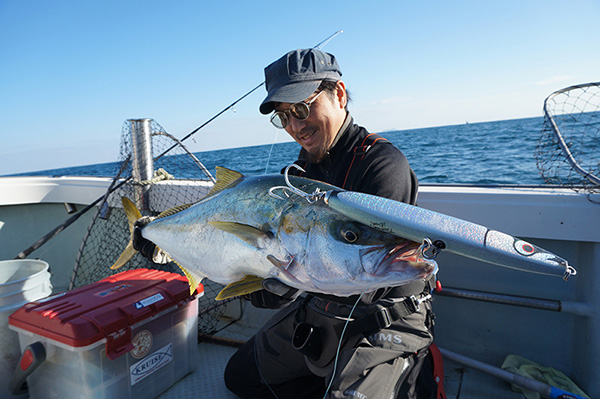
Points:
[295,355]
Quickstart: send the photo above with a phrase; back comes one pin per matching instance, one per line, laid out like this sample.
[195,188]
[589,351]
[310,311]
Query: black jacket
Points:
[364,162]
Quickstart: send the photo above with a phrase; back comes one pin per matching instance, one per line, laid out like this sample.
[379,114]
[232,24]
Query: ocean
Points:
[499,152]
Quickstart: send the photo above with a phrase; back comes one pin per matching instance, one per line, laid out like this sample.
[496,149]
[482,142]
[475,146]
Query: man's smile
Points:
[306,137]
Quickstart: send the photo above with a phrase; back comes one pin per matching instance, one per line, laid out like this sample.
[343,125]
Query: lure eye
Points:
[524,248]
[349,234]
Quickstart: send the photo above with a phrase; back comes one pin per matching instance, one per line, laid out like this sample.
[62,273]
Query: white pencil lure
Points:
[446,232]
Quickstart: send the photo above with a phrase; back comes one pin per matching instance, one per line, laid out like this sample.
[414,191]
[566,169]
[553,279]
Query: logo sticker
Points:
[149,301]
[150,364]
[142,343]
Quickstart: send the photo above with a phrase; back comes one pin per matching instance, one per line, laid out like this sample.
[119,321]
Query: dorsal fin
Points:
[173,211]
[225,177]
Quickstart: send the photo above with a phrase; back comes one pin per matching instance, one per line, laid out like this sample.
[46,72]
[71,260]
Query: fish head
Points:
[334,254]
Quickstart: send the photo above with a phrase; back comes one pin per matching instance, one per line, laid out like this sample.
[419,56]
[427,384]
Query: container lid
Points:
[105,309]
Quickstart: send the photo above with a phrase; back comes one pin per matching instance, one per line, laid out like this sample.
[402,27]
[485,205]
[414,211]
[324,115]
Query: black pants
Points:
[374,365]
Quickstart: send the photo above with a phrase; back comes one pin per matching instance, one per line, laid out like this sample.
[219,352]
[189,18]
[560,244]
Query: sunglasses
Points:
[300,111]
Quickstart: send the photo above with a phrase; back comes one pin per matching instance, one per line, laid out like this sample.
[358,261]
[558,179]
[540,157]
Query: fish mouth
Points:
[404,257]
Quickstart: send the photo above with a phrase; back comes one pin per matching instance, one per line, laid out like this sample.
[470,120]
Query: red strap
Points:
[438,370]
[361,150]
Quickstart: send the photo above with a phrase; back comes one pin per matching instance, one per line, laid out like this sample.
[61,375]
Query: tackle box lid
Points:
[105,309]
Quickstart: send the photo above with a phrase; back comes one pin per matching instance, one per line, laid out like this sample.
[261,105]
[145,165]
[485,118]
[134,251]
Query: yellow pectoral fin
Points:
[249,234]
[245,286]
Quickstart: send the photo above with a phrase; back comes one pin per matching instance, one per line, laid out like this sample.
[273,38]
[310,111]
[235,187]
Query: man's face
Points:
[317,132]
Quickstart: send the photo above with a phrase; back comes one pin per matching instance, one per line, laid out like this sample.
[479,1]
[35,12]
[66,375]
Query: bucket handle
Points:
[32,357]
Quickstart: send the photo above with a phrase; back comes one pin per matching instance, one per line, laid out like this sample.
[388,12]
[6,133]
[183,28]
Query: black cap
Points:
[296,75]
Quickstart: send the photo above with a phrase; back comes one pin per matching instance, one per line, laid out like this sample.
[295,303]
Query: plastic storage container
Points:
[131,335]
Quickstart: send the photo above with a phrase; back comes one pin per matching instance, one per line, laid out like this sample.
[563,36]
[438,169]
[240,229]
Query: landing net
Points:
[156,172]
[568,150]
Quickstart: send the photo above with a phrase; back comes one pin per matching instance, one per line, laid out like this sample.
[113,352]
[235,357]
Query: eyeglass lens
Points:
[300,111]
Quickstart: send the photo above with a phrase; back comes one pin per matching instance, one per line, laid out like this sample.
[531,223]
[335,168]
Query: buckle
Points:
[413,304]
[382,317]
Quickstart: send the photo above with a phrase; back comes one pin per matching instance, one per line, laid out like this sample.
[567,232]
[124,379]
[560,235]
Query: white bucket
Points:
[21,281]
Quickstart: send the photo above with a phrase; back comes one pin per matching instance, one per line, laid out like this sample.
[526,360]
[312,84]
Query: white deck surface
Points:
[207,380]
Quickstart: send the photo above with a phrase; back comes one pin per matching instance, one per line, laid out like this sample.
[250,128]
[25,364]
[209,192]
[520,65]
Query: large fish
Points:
[240,234]
[455,235]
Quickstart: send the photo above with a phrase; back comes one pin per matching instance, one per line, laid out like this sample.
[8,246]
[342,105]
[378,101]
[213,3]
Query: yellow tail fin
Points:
[133,214]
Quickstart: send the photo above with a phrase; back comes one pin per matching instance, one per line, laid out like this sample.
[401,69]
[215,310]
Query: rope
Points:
[159,175]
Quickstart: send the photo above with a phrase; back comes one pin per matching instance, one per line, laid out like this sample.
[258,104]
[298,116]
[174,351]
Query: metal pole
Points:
[578,308]
[142,163]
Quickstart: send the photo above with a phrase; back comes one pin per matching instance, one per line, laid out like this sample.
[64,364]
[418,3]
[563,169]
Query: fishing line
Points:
[271,151]
[262,377]
[337,354]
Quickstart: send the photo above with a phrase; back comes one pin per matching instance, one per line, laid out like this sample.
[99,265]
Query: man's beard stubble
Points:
[318,154]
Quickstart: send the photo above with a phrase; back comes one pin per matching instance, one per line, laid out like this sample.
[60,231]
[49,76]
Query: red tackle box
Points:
[131,335]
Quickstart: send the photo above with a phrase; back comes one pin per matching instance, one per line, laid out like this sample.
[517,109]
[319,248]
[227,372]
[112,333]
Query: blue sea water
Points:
[499,152]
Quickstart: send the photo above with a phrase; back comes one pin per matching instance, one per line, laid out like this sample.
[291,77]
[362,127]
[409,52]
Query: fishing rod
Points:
[54,232]
[317,46]
[113,187]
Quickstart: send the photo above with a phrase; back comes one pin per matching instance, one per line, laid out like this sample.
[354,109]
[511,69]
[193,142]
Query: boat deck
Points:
[207,380]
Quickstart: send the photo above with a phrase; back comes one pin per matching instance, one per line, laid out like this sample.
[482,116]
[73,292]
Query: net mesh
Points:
[567,152]
[158,175]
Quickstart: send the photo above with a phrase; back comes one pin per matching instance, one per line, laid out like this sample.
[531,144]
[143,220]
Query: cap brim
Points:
[291,93]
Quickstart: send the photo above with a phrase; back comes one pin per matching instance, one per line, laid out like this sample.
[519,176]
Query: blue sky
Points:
[72,71]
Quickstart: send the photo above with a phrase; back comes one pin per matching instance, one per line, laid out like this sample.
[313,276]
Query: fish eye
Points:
[350,233]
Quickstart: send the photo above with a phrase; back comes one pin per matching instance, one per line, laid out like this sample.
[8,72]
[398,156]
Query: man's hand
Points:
[274,295]
[147,248]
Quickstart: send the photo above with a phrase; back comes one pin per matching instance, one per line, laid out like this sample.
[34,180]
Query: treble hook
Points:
[311,198]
